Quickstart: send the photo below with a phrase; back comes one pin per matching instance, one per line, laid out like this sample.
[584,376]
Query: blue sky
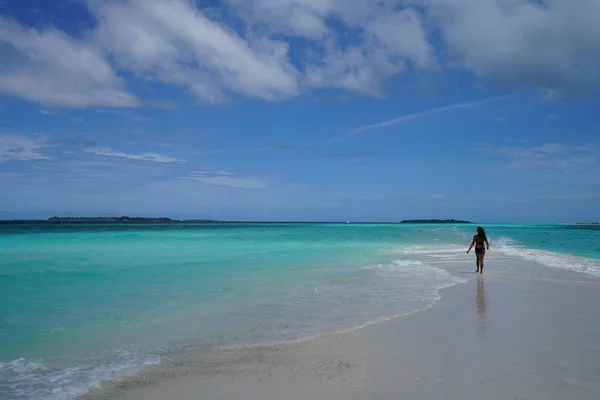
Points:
[301,109]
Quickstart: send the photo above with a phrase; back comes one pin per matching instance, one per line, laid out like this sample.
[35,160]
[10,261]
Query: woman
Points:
[480,242]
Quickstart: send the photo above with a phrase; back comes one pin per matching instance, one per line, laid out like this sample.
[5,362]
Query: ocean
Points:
[85,304]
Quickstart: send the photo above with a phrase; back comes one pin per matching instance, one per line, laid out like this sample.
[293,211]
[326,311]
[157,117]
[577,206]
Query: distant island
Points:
[125,220]
[164,220]
[434,221]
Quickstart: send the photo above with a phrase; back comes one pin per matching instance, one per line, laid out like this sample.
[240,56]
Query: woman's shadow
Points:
[480,303]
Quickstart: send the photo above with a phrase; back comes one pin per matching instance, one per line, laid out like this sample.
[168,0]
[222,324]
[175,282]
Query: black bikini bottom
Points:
[479,250]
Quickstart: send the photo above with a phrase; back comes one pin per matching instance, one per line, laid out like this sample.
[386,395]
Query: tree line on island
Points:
[126,219]
[434,221]
[164,220]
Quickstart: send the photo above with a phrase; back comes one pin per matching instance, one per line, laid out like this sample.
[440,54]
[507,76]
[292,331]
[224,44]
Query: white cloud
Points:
[302,18]
[153,157]
[401,33]
[372,43]
[175,43]
[437,196]
[16,147]
[49,112]
[358,69]
[51,68]
[203,172]
[226,179]
[354,45]
[552,45]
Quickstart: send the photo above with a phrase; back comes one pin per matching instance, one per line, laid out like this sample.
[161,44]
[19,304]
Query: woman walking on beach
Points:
[480,242]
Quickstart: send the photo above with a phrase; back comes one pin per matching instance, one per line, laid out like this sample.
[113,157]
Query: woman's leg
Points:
[477,261]
[481,256]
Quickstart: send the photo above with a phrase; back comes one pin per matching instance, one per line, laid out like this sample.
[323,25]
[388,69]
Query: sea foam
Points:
[33,379]
[508,246]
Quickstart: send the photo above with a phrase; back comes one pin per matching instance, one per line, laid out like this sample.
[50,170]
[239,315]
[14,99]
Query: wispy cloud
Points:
[226,179]
[360,154]
[122,113]
[226,151]
[208,172]
[555,160]
[250,150]
[130,115]
[17,147]
[90,177]
[437,196]
[164,105]
[153,157]
[234,182]
[532,154]
[422,114]
[45,111]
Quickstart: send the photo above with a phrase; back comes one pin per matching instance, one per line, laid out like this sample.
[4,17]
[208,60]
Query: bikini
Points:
[480,250]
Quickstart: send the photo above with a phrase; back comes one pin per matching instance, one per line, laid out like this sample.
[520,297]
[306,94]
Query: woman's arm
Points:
[487,243]
[472,244]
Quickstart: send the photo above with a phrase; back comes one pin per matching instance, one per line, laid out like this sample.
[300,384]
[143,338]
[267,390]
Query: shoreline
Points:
[258,369]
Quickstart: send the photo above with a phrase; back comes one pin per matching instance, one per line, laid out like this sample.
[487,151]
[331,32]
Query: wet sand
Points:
[520,331]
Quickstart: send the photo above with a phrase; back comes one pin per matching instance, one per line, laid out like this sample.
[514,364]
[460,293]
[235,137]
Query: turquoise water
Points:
[82,304]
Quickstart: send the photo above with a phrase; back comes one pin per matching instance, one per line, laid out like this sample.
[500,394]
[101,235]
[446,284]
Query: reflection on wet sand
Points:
[481,307]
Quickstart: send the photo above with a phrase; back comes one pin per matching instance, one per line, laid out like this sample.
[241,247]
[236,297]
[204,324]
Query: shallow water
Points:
[82,304]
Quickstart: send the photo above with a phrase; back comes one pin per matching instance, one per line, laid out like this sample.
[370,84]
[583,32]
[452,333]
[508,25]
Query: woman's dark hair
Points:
[481,232]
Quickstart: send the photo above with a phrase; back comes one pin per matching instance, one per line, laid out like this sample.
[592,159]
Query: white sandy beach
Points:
[520,331]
